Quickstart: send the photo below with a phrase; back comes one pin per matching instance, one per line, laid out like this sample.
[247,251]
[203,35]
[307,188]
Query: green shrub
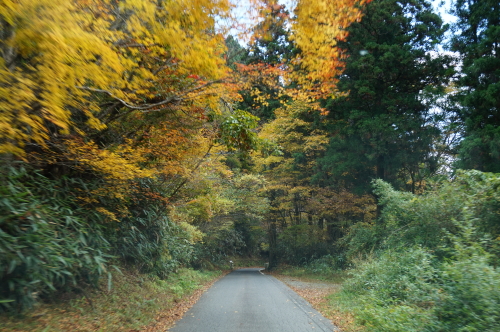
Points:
[396,277]
[412,290]
[472,296]
[152,242]
[44,242]
[393,292]
[147,238]
[470,284]
[424,220]
[328,264]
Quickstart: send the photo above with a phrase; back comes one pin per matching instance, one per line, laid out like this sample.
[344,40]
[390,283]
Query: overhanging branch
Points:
[173,99]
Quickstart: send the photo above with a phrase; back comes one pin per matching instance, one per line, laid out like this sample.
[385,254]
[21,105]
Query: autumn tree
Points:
[317,28]
[124,103]
[103,87]
[298,207]
[269,52]
[286,83]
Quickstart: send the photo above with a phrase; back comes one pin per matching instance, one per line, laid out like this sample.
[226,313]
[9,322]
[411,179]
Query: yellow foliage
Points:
[143,73]
[61,57]
[119,89]
[109,215]
[58,55]
[121,164]
[195,235]
[318,25]
[293,133]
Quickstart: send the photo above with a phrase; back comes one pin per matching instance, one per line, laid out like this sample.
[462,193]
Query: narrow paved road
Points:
[248,301]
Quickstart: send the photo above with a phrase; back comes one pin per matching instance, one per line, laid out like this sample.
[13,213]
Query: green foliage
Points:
[424,220]
[470,284]
[482,193]
[146,237]
[412,291]
[271,47]
[390,293]
[217,248]
[476,39]
[185,281]
[395,278]
[272,44]
[250,207]
[301,244]
[153,243]
[48,242]
[236,131]
[45,243]
[381,126]
[328,264]
[472,292]
[252,234]
[430,261]
[235,53]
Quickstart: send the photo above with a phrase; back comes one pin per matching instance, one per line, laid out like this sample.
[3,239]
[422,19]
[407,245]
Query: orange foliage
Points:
[319,24]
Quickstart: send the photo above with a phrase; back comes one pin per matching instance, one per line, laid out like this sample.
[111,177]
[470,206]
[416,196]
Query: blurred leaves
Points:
[45,242]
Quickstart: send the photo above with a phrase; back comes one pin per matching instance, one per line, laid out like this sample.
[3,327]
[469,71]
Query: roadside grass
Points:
[305,273]
[341,316]
[136,302]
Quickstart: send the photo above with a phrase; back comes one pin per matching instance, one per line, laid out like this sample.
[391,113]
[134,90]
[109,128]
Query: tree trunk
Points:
[273,261]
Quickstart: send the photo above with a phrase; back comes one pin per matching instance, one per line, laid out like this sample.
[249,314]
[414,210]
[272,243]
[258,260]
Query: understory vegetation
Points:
[49,244]
[136,301]
[431,262]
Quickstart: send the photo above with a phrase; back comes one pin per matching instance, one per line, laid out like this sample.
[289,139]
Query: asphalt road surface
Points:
[248,301]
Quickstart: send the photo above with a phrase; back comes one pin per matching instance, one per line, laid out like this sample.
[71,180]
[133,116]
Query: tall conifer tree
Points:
[384,128]
[477,40]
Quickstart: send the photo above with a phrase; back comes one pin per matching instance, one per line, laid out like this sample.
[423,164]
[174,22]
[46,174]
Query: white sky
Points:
[243,7]
[444,9]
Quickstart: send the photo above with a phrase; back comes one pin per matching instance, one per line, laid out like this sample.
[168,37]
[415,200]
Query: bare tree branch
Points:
[172,99]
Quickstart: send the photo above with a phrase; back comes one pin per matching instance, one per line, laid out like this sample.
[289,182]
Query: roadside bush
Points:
[57,233]
[412,290]
[424,220]
[470,284]
[146,237]
[396,277]
[472,296]
[153,243]
[45,244]
[327,265]
[393,292]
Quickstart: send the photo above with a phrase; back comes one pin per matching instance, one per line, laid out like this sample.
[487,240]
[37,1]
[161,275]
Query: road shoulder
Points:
[317,293]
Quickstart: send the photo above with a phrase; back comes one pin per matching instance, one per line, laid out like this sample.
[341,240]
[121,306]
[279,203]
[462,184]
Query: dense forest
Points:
[358,135]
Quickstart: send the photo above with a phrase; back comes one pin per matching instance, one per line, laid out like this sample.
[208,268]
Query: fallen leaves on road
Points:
[314,292]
